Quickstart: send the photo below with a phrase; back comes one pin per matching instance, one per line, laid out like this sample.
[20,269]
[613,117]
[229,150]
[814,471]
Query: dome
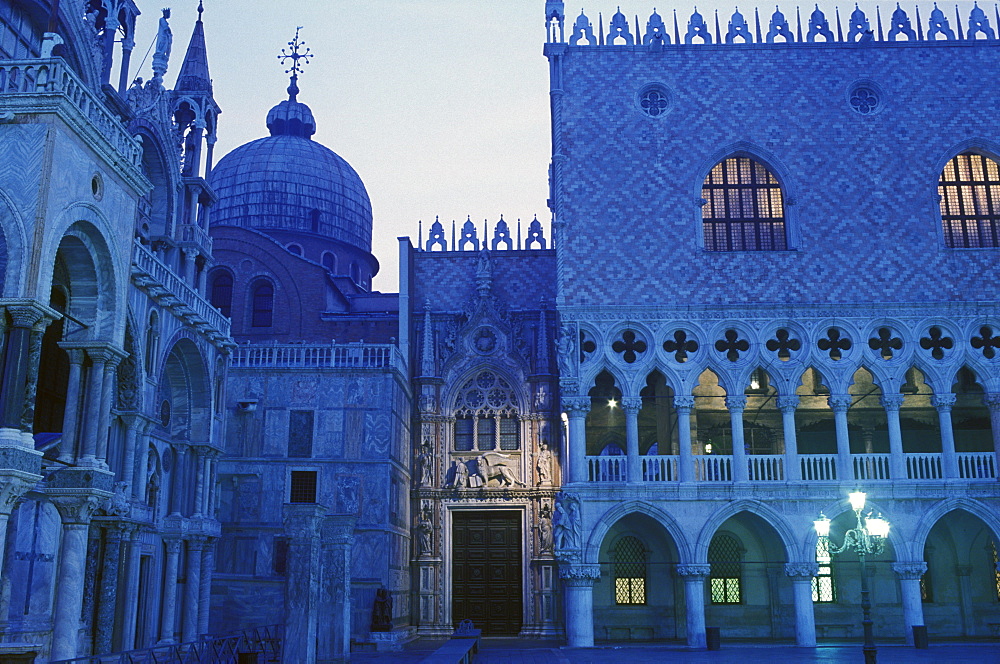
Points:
[289,182]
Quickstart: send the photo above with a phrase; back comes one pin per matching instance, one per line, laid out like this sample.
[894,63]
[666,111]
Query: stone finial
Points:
[738,29]
[582,29]
[469,235]
[618,29]
[535,235]
[501,235]
[901,25]
[818,25]
[435,237]
[656,31]
[859,25]
[979,23]
[697,28]
[779,27]
[299,56]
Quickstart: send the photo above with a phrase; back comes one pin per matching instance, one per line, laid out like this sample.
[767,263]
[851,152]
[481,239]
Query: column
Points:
[128,458]
[909,574]
[576,409]
[205,593]
[801,575]
[736,405]
[302,581]
[76,512]
[683,406]
[107,401]
[127,45]
[68,448]
[13,485]
[142,469]
[579,582]
[177,479]
[631,406]
[694,600]
[897,461]
[992,401]
[92,409]
[964,574]
[949,461]
[787,405]
[192,590]
[108,598]
[199,481]
[130,606]
[169,593]
[16,369]
[334,642]
[839,403]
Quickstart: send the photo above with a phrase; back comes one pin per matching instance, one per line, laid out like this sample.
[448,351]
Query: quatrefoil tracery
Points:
[885,343]
[835,343]
[936,342]
[629,346]
[680,346]
[783,344]
[732,345]
[986,342]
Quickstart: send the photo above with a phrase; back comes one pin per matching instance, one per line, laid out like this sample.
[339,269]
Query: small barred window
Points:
[969,192]
[744,207]
[822,584]
[630,571]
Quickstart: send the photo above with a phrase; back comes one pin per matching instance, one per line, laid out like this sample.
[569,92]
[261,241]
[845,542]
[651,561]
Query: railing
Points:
[197,235]
[767,467]
[977,466]
[656,468]
[818,467]
[871,466]
[148,269]
[265,640]
[40,82]
[328,356]
[607,468]
[713,468]
[923,466]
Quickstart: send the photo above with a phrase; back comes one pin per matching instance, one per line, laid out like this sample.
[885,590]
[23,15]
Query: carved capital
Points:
[173,546]
[77,509]
[683,403]
[575,407]
[787,403]
[26,316]
[992,401]
[631,405]
[803,570]
[736,403]
[943,402]
[891,402]
[694,572]
[909,571]
[839,403]
[579,575]
[197,543]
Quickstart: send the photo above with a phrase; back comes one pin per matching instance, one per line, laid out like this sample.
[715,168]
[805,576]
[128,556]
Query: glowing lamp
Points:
[857,499]
[822,525]
[877,526]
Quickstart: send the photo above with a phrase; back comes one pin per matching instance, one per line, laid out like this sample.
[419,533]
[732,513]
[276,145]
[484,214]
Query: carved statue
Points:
[543,464]
[492,465]
[425,534]
[118,504]
[567,526]
[545,534]
[426,461]
[484,267]
[382,611]
[164,36]
[460,479]
[564,349]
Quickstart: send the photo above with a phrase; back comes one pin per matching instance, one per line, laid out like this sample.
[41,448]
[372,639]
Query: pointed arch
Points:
[930,517]
[607,520]
[786,533]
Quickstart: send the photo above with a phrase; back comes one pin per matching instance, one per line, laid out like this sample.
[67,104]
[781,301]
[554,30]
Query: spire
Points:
[296,68]
[194,76]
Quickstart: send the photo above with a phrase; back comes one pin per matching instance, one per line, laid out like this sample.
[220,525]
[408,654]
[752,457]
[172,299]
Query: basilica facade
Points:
[765,283]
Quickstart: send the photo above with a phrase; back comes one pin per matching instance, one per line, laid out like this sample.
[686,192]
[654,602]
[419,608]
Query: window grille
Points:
[263,305]
[222,293]
[823,589]
[926,589]
[486,415]
[744,208]
[724,555]
[303,486]
[969,192]
[996,572]
[630,571]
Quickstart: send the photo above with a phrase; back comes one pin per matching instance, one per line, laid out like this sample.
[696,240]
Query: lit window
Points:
[630,571]
[822,583]
[724,554]
[263,305]
[222,293]
[744,207]
[996,571]
[969,191]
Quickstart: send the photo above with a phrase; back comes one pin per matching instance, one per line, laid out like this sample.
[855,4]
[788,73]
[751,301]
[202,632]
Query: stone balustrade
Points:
[325,356]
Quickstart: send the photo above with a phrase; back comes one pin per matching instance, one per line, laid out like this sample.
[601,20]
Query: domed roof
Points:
[289,182]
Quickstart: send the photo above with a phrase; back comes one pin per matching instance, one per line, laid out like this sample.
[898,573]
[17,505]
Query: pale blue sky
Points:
[440,105]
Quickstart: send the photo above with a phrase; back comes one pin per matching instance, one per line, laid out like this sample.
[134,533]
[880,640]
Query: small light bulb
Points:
[612,403]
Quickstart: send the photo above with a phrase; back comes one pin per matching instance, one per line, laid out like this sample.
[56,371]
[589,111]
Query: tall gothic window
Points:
[724,555]
[263,305]
[744,208]
[969,191]
[630,571]
[222,292]
[822,583]
[486,415]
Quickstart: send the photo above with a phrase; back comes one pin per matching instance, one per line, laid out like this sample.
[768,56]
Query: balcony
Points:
[326,356]
[170,291]
[718,468]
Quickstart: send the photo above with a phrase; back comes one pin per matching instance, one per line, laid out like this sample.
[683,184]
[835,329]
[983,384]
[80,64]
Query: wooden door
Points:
[486,571]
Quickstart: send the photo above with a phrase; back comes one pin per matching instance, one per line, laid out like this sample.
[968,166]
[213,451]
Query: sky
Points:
[441,106]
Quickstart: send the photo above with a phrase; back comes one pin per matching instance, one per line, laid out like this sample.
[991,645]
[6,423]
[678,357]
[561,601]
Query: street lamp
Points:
[866,539]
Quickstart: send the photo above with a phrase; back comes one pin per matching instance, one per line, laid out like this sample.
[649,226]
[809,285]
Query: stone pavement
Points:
[516,651]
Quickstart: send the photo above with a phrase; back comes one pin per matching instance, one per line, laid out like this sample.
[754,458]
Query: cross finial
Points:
[299,52]
[201,9]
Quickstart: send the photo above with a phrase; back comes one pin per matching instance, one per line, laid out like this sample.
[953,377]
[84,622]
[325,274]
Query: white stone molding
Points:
[579,575]
[808,570]
[910,570]
[693,570]
[788,403]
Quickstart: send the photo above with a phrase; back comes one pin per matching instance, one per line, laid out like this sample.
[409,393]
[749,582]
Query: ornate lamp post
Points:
[866,539]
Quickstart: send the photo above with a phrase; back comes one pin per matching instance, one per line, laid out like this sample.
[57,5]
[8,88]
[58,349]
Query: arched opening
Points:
[53,372]
[816,432]
[154,206]
[969,194]
[639,595]
[970,417]
[605,420]
[221,294]
[294,248]
[747,586]
[262,313]
[744,207]
[867,422]
[657,418]
[330,261]
[961,588]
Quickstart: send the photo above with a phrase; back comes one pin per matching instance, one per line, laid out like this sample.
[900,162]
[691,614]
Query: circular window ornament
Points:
[97,186]
[865,99]
[165,413]
[654,101]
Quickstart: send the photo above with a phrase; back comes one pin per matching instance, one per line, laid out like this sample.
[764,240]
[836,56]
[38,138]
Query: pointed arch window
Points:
[222,292]
[486,415]
[629,559]
[726,579]
[969,194]
[744,207]
[263,305]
